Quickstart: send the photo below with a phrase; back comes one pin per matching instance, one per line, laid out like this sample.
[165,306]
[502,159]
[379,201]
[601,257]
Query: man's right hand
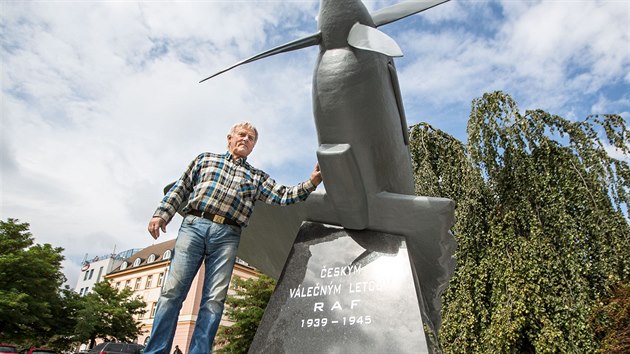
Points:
[155,225]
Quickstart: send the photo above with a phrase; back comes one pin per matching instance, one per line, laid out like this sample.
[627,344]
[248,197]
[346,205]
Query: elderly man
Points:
[219,192]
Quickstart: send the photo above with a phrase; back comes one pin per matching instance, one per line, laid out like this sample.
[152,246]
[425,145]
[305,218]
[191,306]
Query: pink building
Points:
[145,271]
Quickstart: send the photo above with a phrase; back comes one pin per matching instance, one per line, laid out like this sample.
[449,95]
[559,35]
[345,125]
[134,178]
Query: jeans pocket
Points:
[235,228]
[190,219]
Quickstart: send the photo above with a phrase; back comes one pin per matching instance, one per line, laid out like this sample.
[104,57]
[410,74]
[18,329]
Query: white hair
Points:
[247,125]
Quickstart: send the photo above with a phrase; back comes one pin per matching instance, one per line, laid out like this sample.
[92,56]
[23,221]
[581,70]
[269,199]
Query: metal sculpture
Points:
[363,152]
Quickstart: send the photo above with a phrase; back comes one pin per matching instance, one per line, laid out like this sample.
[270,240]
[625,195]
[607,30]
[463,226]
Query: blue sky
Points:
[101,105]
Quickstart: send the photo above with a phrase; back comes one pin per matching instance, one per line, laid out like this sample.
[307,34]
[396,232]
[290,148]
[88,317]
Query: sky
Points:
[101,104]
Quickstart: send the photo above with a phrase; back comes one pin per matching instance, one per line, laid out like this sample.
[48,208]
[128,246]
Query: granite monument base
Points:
[344,291]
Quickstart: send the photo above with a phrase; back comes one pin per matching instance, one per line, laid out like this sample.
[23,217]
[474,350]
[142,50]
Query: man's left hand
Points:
[316,176]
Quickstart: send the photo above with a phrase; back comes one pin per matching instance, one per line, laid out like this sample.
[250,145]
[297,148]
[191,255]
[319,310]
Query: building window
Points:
[100,272]
[137,262]
[91,273]
[138,281]
[127,283]
[167,255]
[117,285]
[149,281]
[87,272]
[151,258]
[124,265]
[153,307]
[160,279]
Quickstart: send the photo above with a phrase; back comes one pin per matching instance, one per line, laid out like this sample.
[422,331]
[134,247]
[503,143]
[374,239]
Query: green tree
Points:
[245,309]
[33,308]
[64,338]
[541,225]
[107,313]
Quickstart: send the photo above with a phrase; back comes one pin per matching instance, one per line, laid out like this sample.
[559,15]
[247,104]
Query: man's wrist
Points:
[309,185]
[162,214]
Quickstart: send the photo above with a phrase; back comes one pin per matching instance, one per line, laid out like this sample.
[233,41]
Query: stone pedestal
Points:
[344,291]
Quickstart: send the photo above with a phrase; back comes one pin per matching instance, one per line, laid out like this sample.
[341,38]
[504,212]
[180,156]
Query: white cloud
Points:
[548,54]
[555,36]
[101,108]
[616,153]
[603,105]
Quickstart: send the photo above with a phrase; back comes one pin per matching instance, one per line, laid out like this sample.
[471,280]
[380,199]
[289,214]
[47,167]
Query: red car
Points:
[7,349]
[38,351]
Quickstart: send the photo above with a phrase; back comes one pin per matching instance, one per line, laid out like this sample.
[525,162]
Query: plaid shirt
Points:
[223,185]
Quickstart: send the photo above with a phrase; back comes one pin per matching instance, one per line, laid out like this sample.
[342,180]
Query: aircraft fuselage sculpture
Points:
[363,150]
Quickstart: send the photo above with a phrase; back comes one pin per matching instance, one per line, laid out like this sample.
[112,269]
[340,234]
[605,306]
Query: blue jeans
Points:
[198,240]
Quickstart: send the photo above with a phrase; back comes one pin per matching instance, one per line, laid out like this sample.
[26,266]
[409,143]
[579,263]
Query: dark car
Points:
[8,349]
[117,348]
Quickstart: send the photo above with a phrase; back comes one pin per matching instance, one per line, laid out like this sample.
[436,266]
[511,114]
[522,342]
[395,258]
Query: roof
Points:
[157,249]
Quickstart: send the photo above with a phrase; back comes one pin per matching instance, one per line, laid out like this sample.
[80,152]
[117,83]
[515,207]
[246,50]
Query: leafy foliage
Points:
[611,321]
[541,226]
[108,313]
[36,311]
[245,309]
[33,309]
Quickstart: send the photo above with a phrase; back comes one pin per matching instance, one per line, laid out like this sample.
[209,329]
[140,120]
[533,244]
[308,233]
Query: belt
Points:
[214,217]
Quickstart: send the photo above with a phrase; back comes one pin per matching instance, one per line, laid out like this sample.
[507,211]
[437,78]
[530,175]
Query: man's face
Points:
[241,142]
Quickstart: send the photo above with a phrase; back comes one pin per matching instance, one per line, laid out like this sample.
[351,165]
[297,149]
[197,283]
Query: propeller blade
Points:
[311,40]
[402,10]
[369,38]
